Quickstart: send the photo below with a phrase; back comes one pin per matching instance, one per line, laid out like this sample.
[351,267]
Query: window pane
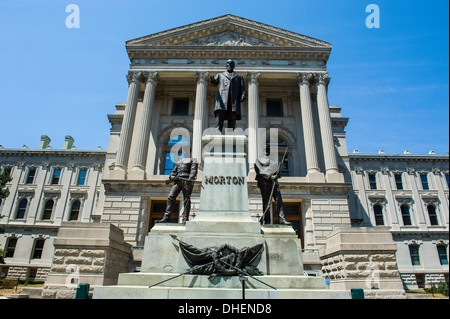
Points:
[372,181]
[38,247]
[82,177]
[48,209]
[284,168]
[22,209]
[414,252]
[424,180]
[405,215]
[75,210]
[432,214]
[442,251]
[180,106]
[274,107]
[11,247]
[56,176]
[398,181]
[378,210]
[30,176]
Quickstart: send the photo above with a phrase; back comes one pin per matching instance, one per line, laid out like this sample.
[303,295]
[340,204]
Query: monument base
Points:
[163,266]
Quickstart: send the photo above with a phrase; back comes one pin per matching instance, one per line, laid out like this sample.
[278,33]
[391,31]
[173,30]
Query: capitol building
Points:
[374,221]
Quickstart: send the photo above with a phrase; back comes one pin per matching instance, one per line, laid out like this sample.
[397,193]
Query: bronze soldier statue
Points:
[229,96]
[267,174]
[183,176]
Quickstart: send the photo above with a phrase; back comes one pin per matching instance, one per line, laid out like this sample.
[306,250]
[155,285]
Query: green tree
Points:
[4,192]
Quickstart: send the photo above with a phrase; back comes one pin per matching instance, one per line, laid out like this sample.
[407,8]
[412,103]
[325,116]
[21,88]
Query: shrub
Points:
[8,283]
[443,288]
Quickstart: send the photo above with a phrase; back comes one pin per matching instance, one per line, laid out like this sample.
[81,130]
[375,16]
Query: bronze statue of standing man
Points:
[229,96]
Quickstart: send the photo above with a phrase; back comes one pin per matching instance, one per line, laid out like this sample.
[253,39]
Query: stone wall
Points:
[362,257]
[86,253]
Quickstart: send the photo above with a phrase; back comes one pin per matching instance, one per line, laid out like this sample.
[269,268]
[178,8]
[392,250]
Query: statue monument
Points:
[213,254]
[229,96]
[267,174]
[182,176]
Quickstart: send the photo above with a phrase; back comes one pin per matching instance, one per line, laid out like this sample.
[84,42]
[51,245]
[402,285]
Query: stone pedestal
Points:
[86,253]
[363,257]
[223,218]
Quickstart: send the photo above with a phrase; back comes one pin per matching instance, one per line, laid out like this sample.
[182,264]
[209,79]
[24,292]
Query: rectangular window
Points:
[414,252]
[424,180]
[372,181]
[38,248]
[378,211]
[82,177]
[398,181]
[180,106]
[274,107]
[447,179]
[11,247]
[56,176]
[31,175]
[442,251]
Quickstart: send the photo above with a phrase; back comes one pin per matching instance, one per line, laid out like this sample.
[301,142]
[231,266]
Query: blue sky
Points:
[392,82]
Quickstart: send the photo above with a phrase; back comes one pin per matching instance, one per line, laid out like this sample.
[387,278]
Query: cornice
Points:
[52,152]
[399,157]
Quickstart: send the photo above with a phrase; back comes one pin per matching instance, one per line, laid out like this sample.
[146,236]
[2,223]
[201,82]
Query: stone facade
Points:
[47,182]
[324,189]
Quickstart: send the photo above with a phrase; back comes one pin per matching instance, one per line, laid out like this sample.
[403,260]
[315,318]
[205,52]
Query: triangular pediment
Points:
[228,30]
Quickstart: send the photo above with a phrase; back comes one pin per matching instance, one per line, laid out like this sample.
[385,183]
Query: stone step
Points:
[134,292]
[232,282]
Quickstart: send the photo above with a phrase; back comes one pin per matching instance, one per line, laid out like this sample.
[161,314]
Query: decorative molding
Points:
[253,77]
[202,77]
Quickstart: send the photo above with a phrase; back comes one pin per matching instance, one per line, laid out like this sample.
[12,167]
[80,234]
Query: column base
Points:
[119,172]
[316,177]
[138,172]
[334,177]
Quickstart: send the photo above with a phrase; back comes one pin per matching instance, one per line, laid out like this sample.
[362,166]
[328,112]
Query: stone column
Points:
[329,152]
[253,118]
[313,171]
[120,167]
[199,115]
[138,171]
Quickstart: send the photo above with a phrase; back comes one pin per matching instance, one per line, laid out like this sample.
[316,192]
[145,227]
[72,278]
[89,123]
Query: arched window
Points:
[22,208]
[75,210]
[48,209]
[406,216]
[378,211]
[282,145]
[432,214]
[170,152]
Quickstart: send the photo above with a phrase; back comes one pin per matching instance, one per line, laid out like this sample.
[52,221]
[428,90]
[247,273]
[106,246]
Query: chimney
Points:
[68,142]
[45,141]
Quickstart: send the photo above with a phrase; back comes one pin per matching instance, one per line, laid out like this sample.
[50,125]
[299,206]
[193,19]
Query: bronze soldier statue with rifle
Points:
[183,176]
[267,174]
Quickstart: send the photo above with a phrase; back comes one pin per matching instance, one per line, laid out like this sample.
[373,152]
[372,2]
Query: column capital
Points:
[322,78]
[305,78]
[134,76]
[150,76]
[202,77]
[253,77]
